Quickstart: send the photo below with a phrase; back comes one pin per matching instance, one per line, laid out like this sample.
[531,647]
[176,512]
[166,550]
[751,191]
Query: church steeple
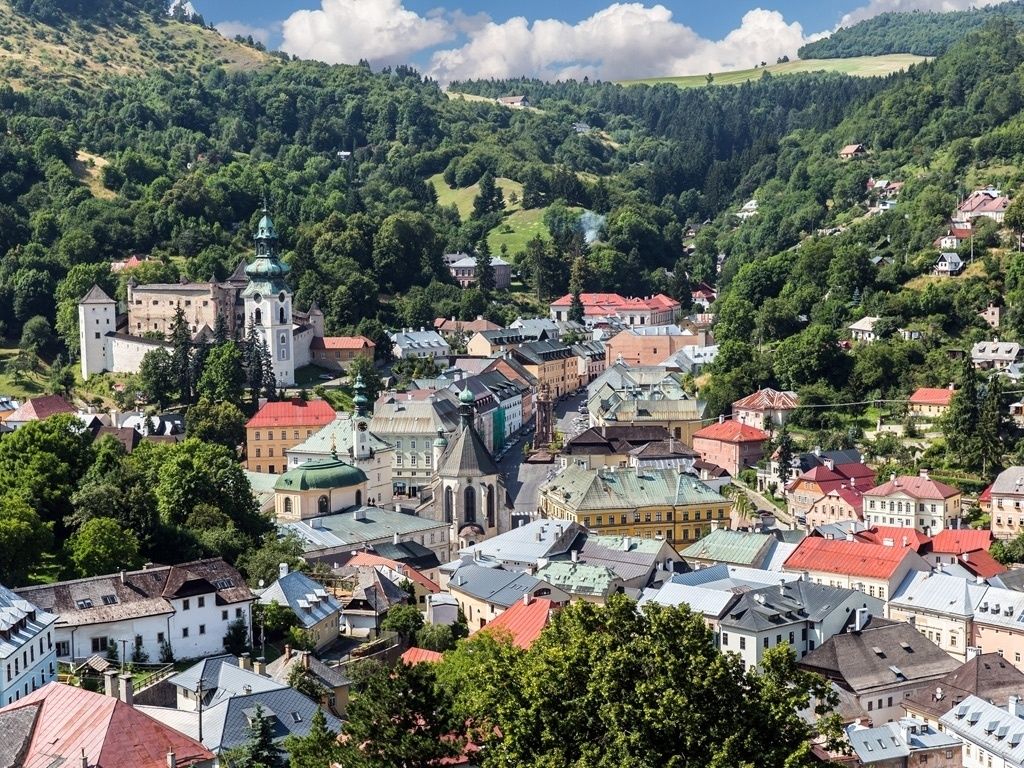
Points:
[466,402]
[359,398]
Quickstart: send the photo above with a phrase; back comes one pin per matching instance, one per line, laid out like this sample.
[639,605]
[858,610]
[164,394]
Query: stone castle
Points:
[255,296]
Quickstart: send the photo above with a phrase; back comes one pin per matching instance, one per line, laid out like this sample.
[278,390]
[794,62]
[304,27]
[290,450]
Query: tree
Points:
[484,268]
[236,639]
[303,681]
[960,422]
[785,455]
[181,355]
[223,377]
[991,426]
[61,379]
[259,751]
[406,620]
[221,423]
[36,335]
[261,563]
[1014,217]
[101,546]
[157,376]
[436,637]
[24,539]
[364,367]
[576,280]
[316,749]
[489,199]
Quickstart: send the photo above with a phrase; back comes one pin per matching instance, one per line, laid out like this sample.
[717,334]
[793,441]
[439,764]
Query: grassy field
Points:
[463,198]
[517,230]
[88,169]
[860,66]
[27,385]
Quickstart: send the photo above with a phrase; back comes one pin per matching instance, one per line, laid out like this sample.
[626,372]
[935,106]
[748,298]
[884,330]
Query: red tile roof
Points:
[293,413]
[368,558]
[524,622]
[932,396]
[418,655]
[857,470]
[916,487]
[342,342]
[732,432]
[981,563]
[767,400]
[986,495]
[820,474]
[850,558]
[112,734]
[901,538]
[613,303]
[39,408]
[955,541]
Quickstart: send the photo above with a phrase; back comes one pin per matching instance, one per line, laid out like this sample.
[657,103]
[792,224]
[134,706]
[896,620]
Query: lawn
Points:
[463,197]
[25,386]
[517,230]
[860,66]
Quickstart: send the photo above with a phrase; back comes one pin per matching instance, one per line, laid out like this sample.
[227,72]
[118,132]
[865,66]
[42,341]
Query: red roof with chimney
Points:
[293,413]
[524,622]
[39,408]
[70,722]
[981,563]
[850,558]
[614,303]
[932,396]
[342,342]
[894,536]
[956,541]
[917,487]
[420,655]
[732,432]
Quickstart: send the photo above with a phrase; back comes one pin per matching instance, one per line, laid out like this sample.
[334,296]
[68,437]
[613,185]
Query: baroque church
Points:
[256,296]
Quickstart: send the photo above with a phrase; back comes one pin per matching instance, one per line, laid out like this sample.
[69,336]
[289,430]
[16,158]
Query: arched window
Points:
[257,316]
[287,505]
[490,506]
[359,498]
[323,505]
[449,502]
[281,315]
[469,514]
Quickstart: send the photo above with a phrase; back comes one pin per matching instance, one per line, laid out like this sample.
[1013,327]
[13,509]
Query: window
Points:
[82,604]
[63,648]
[99,645]
[160,637]
[185,604]
[764,641]
[743,643]
[110,599]
[224,615]
[725,639]
[238,613]
[202,629]
[184,631]
[201,602]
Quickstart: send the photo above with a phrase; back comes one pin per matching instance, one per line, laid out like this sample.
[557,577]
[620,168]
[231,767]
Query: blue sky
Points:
[608,39]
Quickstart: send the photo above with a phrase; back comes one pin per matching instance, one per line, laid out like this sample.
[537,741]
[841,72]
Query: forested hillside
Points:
[925,33]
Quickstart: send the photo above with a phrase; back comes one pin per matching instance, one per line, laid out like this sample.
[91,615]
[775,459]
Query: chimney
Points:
[172,760]
[305,659]
[260,667]
[906,541]
[627,542]
[575,555]
[394,538]
[892,477]
[860,620]
[243,661]
[282,570]
[721,418]
[849,535]
[110,683]
[127,689]
[966,556]
[924,472]
[1014,706]
[527,598]
[287,651]
[83,760]
[122,577]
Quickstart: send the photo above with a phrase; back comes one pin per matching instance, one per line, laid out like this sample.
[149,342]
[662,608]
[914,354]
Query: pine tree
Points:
[960,423]
[576,280]
[785,454]
[253,360]
[316,749]
[220,329]
[181,355]
[266,366]
[489,199]
[259,751]
[991,422]
[484,268]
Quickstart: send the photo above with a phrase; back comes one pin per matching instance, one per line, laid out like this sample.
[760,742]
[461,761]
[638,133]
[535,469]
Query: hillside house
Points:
[987,203]
[851,151]
[765,407]
[513,102]
[914,502]
[731,445]
[930,402]
[863,330]
[995,355]
[949,264]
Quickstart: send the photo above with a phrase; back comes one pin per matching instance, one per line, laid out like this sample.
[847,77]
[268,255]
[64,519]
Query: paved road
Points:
[762,502]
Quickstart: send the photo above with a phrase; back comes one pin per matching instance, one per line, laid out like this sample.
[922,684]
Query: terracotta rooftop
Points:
[342,342]
[613,303]
[524,622]
[39,408]
[956,541]
[418,655]
[293,413]
[732,432]
[894,536]
[915,486]
[71,722]
[767,400]
[850,558]
[932,396]
[368,558]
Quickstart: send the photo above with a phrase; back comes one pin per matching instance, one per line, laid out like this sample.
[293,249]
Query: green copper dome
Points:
[466,397]
[265,229]
[320,474]
[440,441]
[267,266]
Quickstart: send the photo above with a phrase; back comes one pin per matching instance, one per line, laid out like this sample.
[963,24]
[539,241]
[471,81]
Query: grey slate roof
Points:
[987,675]
[725,576]
[225,724]
[281,668]
[96,295]
[892,741]
[783,604]
[308,599]
[14,609]
[16,727]
[467,456]
[230,681]
[527,543]
[492,585]
[992,728]
[208,669]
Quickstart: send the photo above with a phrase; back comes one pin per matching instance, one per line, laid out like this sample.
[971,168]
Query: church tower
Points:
[361,448]
[97,316]
[268,302]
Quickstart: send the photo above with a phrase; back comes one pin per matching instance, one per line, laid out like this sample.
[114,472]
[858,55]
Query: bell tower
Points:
[361,422]
[268,302]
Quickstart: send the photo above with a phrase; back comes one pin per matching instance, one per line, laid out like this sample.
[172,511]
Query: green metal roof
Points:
[320,474]
[596,489]
[725,546]
[579,578]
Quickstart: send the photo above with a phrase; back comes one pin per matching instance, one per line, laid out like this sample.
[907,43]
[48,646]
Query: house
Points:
[876,569]
[1006,500]
[999,624]
[280,426]
[851,151]
[930,402]
[995,355]
[398,572]
[410,343]
[953,239]
[941,607]
[650,396]
[766,407]
[722,545]
[631,311]
[986,203]
[691,359]
[642,503]
[374,595]
[337,352]
[37,409]
[484,594]
[992,314]
[28,660]
[186,608]
[902,744]
[703,294]
[949,546]
[491,342]
[610,445]
[914,502]
[513,102]
[948,264]
[986,675]
[582,581]
[451,327]
[773,474]
[988,731]
[732,445]
[333,681]
[590,357]
[65,725]
[316,611]
[523,622]
[878,663]
[863,329]
[464,272]
[842,502]
[552,364]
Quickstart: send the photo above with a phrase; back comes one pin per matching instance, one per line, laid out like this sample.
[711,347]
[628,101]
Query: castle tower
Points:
[361,448]
[268,302]
[97,316]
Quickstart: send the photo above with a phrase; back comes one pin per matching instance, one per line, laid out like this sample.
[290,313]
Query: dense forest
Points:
[924,33]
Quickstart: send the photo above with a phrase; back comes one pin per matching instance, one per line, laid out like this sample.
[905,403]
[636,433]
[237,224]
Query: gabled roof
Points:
[293,413]
[280,669]
[955,541]
[69,722]
[341,342]
[416,655]
[307,599]
[407,571]
[467,456]
[932,396]
[525,621]
[39,408]
[916,487]
[225,725]
[987,675]
[733,547]
[732,431]
[96,295]
[894,536]
[20,622]
[989,727]
[850,558]
[492,585]
[788,603]
[767,400]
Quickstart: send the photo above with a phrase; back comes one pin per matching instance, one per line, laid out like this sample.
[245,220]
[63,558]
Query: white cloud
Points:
[345,31]
[875,7]
[231,28]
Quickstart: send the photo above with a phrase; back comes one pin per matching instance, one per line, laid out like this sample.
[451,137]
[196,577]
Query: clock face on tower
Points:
[361,426]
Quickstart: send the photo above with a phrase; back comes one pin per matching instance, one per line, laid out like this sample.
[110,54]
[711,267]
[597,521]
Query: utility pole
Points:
[124,652]
[199,703]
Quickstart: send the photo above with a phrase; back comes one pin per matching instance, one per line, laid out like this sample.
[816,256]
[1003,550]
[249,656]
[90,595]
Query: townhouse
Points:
[914,502]
[765,409]
[552,363]
[1006,503]
[278,427]
[28,659]
[731,445]
[874,569]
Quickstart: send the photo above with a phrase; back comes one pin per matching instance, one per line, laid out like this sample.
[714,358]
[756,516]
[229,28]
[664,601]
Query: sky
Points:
[606,39]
